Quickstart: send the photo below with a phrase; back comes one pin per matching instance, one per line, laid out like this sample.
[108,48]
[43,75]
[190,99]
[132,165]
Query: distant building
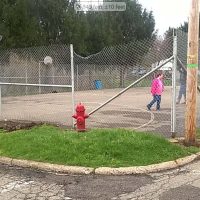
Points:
[167,67]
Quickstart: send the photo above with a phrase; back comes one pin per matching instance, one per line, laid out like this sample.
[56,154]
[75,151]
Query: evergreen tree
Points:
[19,27]
[26,23]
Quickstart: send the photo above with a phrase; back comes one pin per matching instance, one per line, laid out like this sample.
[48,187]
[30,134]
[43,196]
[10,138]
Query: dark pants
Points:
[156,98]
[182,92]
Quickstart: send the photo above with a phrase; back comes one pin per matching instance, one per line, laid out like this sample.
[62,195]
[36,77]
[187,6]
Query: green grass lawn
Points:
[98,147]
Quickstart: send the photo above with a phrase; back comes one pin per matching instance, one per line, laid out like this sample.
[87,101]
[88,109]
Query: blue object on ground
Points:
[98,84]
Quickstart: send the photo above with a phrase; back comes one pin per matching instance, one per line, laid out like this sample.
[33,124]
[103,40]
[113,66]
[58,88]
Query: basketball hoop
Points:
[48,60]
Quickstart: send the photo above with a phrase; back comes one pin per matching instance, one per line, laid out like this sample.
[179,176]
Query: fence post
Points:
[39,74]
[173,109]
[77,78]
[72,79]
[26,77]
[0,100]
[53,74]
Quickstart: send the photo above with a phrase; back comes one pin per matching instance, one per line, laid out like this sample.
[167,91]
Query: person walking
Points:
[157,88]
[182,80]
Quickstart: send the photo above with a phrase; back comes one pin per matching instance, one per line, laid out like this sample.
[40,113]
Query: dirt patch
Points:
[181,141]
[17,125]
[196,144]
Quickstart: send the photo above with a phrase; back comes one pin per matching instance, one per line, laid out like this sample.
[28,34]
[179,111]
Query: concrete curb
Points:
[47,166]
[101,170]
[146,169]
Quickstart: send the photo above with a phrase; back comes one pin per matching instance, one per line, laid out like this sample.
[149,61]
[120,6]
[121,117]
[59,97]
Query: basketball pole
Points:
[173,103]
[192,74]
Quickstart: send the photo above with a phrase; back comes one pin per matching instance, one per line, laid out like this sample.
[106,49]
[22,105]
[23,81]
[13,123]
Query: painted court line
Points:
[128,106]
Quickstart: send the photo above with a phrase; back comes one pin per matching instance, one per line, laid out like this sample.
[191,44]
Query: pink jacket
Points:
[157,87]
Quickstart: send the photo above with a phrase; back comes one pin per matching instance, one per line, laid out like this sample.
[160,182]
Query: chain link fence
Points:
[182,42]
[36,103]
[119,66]
[122,71]
[27,66]
[105,74]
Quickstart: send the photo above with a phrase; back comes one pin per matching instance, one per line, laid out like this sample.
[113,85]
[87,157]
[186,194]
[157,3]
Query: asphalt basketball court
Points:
[126,111]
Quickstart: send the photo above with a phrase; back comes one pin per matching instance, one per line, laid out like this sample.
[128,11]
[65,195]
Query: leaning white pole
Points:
[72,79]
[131,85]
[173,114]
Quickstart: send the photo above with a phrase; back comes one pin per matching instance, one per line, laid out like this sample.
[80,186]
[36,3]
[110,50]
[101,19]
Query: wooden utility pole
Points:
[192,74]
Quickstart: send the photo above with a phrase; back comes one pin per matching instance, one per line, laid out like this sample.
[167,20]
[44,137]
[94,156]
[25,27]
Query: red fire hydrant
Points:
[80,117]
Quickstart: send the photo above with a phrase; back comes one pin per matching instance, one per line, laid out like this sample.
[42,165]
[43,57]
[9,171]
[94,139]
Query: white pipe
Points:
[72,79]
[26,79]
[36,85]
[39,77]
[173,114]
[131,85]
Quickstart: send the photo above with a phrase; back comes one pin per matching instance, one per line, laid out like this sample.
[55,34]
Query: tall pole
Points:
[26,79]
[173,114]
[192,74]
[53,75]
[0,101]
[77,78]
[39,74]
[72,81]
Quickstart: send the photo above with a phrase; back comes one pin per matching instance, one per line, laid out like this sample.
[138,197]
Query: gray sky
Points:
[167,12]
